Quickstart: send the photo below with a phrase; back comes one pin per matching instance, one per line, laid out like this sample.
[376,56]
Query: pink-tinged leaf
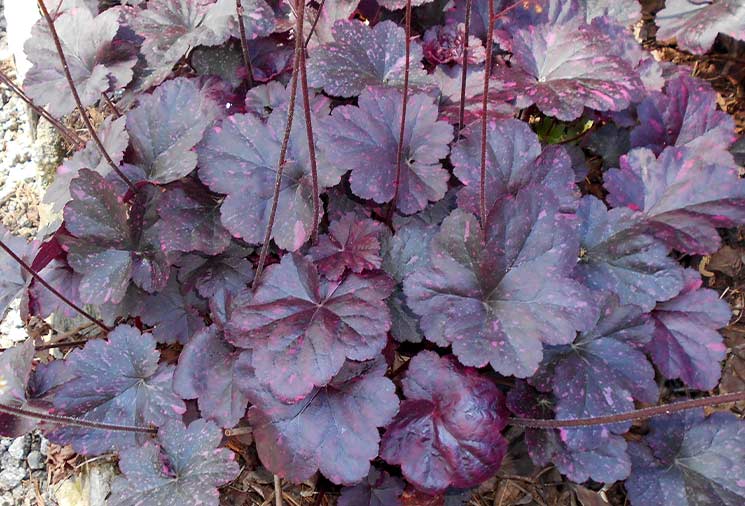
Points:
[362,56]
[695,25]
[379,489]
[617,256]
[166,125]
[213,372]
[683,198]
[602,372]
[185,467]
[97,62]
[362,138]
[448,431]
[514,160]
[329,15]
[605,461]
[302,327]
[351,243]
[497,295]
[685,115]
[117,381]
[689,460]
[333,430]
[400,4]
[239,158]
[445,44]
[686,343]
[222,19]
[563,68]
[174,312]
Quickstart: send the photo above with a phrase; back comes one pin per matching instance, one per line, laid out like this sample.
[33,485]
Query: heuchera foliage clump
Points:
[340,250]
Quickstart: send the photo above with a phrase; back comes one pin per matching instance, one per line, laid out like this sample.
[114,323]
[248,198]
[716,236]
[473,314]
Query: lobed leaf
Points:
[695,25]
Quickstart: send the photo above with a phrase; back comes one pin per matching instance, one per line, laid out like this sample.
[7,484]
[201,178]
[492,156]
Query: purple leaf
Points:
[97,62]
[363,139]
[115,381]
[400,4]
[329,15]
[623,12]
[110,248]
[362,56]
[230,272]
[684,199]
[15,372]
[689,460]
[686,343]
[445,44]
[262,100]
[332,430]
[602,372]
[269,58]
[685,115]
[191,221]
[303,327]
[379,489]
[239,158]
[563,68]
[514,159]
[695,25]
[222,19]
[497,295]
[606,461]
[174,312]
[448,431]
[166,125]
[351,244]
[65,280]
[618,257]
[185,468]
[212,371]
[13,278]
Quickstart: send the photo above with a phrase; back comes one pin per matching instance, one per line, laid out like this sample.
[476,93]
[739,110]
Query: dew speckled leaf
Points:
[364,140]
[514,159]
[563,68]
[351,243]
[685,115]
[239,158]
[695,25]
[617,256]
[689,460]
[209,370]
[686,343]
[117,381]
[602,372]
[302,327]
[324,25]
[222,19]
[363,56]
[448,430]
[186,467]
[497,296]
[683,198]
[96,61]
[166,125]
[378,489]
[333,430]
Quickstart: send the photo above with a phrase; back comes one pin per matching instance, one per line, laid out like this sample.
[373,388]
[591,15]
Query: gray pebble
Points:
[19,448]
[12,477]
[35,460]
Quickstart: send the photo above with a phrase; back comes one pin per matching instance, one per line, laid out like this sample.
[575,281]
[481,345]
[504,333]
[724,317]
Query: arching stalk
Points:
[464,72]
[74,422]
[244,44]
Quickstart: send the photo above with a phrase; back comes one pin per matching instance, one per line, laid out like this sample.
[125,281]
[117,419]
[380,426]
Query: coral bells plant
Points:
[374,235]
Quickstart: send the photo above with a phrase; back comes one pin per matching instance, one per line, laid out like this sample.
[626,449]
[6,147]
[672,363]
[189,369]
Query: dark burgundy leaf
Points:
[303,327]
[689,460]
[186,467]
[174,312]
[686,343]
[166,125]
[362,56]
[497,295]
[448,431]
[262,100]
[617,256]
[269,58]
[362,138]
[695,25]
[444,44]
[685,115]
[65,280]
[563,68]
[97,63]
[230,272]
[351,244]
[213,372]
[117,381]
[239,158]
[13,278]
[514,160]
[15,372]
[683,198]
[379,489]
[333,430]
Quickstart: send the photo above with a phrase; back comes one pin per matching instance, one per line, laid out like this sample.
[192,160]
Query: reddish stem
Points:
[464,72]
[74,91]
[49,287]
[75,422]
[315,23]
[484,102]
[300,12]
[111,105]
[311,146]
[244,44]
[639,414]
